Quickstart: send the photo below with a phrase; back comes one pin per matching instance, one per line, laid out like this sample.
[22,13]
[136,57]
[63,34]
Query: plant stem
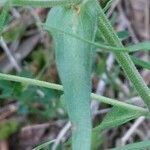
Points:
[98,45]
[133,48]
[60,88]
[124,59]
[39,3]
[30,81]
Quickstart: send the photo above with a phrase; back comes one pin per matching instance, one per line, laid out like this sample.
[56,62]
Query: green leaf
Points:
[97,139]
[135,146]
[3,15]
[108,5]
[141,63]
[116,117]
[143,46]
[44,145]
[123,35]
[73,58]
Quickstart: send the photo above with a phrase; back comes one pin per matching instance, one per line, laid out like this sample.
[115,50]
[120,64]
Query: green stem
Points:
[103,99]
[101,45]
[144,46]
[38,3]
[123,58]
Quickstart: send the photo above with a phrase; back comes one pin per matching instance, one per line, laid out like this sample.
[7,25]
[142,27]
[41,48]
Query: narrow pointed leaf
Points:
[141,63]
[135,146]
[118,116]
[108,5]
[44,145]
[142,46]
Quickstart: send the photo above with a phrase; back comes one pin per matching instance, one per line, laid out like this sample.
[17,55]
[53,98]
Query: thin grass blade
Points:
[135,146]
[141,63]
